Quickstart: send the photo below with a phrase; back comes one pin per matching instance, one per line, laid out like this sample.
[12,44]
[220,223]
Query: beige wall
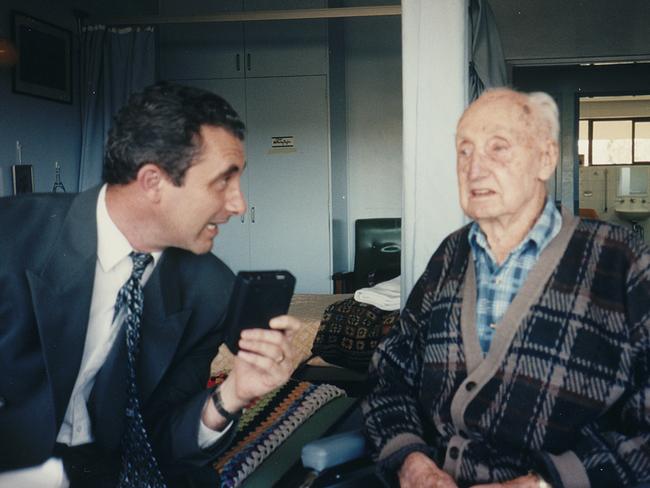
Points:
[590,108]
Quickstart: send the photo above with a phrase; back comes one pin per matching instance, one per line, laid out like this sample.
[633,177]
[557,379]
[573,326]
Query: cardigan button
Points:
[469,386]
[453,453]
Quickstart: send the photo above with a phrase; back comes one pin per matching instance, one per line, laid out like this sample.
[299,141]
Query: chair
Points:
[339,461]
[377,254]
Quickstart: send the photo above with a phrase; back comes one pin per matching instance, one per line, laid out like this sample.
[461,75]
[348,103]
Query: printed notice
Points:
[282,145]
[282,141]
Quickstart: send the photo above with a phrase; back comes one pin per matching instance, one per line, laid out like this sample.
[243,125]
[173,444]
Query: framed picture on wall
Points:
[44,67]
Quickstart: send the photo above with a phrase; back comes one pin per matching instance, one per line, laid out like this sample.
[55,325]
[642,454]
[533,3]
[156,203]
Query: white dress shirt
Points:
[112,270]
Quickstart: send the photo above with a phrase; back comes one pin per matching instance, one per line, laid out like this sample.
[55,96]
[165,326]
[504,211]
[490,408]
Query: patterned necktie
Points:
[139,466]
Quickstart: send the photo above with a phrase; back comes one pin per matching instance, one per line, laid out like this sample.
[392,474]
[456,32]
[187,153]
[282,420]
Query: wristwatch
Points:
[218,404]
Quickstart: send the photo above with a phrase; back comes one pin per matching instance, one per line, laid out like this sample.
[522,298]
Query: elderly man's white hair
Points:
[547,111]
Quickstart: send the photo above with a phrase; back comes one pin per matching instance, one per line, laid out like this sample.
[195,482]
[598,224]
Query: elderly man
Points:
[522,357]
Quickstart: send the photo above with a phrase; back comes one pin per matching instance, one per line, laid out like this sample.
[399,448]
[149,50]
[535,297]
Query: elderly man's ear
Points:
[549,157]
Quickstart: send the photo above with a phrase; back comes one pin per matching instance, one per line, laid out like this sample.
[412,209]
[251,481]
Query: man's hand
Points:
[528,481]
[265,359]
[264,362]
[418,471]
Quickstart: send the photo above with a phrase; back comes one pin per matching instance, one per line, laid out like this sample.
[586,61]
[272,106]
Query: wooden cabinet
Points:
[285,47]
[201,50]
[289,186]
[241,49]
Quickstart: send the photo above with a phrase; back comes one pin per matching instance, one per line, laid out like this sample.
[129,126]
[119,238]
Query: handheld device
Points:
[257,297]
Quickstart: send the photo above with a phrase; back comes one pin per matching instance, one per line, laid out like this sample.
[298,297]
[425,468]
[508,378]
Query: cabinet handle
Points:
[237,63]
[242,218]
[253,215]
[248,61]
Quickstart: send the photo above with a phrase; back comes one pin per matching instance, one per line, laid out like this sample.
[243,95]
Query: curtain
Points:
[487,66]
[115,62]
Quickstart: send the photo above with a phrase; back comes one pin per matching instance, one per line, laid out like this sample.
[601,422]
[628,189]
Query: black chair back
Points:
[377,254]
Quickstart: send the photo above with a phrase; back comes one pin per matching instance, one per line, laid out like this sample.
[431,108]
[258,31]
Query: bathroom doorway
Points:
[614,158]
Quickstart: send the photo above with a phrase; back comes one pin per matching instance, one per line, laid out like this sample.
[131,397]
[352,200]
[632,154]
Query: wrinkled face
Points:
[502,161]
[210,193]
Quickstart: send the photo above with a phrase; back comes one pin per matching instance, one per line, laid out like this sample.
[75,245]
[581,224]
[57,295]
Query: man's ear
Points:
[549,158]
[150,180]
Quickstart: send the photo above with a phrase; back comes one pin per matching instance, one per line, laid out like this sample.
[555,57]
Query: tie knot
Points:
[140,262]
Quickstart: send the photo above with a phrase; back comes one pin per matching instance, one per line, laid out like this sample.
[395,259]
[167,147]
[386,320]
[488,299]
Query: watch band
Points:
[218,404]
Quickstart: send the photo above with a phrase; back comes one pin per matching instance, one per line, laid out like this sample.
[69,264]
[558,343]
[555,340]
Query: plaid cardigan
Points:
[565,385]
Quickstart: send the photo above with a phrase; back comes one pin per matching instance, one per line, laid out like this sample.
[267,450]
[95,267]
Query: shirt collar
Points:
[112,245]
[545,229]
[547,226]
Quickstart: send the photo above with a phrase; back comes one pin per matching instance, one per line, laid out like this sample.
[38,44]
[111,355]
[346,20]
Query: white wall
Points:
[435,35]
[590,108]
[373,79]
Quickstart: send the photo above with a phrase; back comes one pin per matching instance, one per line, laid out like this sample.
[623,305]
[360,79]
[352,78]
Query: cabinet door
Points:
[289,186]
[232,242]
[201,50]
[285,47]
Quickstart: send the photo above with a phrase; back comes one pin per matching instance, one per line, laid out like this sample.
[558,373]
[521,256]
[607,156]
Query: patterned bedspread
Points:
[307,307]
[267,423]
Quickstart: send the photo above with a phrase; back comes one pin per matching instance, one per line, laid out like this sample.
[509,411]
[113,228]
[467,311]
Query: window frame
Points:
[590,126]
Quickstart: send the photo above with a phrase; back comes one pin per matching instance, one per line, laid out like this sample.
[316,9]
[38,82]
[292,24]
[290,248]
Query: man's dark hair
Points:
[162,126]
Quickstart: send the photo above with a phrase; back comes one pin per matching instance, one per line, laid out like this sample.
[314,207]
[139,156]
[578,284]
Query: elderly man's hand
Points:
[528,481]
[419,471]
[264,362]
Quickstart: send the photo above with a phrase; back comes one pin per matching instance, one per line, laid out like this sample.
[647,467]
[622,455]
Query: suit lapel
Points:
[107,401]
[163,324]
[61,293]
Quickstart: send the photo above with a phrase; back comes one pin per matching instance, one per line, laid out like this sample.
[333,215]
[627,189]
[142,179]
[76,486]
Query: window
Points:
[614,141]
[611,141]
[642,142]
[583,142]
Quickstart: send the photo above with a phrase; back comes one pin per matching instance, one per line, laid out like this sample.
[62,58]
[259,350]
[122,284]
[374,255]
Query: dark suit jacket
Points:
[48,251]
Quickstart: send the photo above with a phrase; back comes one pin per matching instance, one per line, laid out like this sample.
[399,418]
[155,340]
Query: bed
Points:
[320,395]
[272,431]
[332,351]
[309,308]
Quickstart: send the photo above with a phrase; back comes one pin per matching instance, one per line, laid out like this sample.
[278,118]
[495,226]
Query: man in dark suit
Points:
[112,307]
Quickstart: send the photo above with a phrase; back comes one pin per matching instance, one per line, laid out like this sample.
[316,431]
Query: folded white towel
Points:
[385,295]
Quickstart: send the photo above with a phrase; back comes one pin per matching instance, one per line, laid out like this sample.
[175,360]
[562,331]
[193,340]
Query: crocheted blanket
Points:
[267,423]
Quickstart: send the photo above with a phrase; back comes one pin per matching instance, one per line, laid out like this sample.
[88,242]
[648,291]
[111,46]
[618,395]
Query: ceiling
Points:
[569,31]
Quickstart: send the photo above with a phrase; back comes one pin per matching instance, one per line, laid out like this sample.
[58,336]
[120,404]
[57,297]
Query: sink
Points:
[633,214]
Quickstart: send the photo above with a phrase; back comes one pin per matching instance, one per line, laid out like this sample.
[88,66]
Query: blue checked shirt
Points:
[497,285]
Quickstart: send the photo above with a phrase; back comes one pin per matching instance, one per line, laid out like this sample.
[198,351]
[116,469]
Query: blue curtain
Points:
[115,62]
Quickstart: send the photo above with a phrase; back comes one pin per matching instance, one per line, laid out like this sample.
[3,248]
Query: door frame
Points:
[567,83]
